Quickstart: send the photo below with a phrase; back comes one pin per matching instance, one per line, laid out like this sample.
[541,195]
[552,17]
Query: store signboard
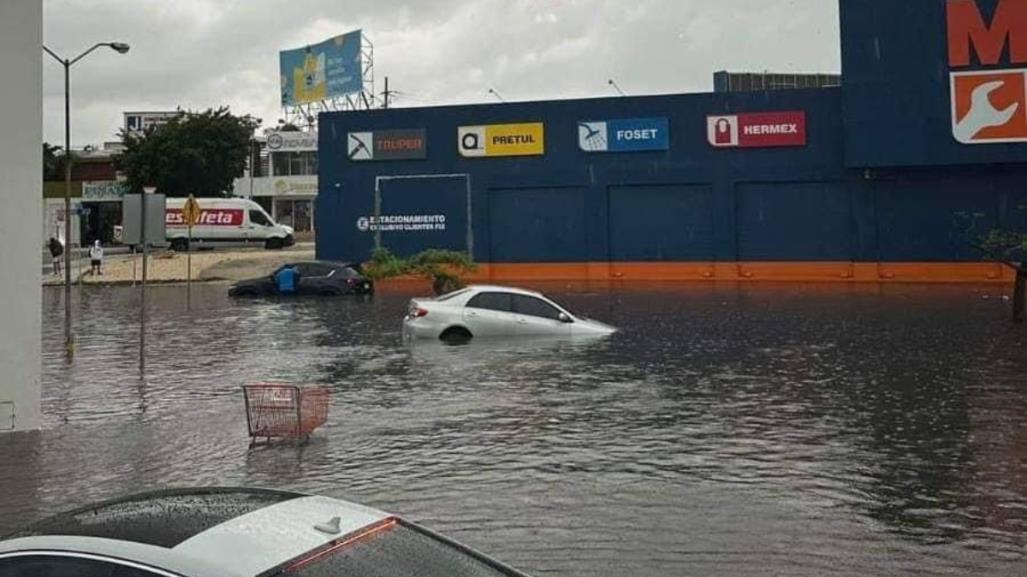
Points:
[404,144]
[757,130]
[524,139]
[624,135]
[104,190]
[291,141]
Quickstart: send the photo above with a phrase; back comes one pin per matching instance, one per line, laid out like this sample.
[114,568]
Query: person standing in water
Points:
[56,251]
[96,258]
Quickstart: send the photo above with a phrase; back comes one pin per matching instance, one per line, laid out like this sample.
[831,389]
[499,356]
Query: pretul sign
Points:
[525,139]
[406,144]
[624,135]
[988,106]
[757,130]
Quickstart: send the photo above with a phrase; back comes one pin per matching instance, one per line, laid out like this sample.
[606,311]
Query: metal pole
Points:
[142,290]
[1020,294]
[69,337]
[189,271]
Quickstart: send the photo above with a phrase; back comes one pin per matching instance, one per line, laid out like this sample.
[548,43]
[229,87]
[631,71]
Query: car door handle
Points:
[470,314]
[522,321]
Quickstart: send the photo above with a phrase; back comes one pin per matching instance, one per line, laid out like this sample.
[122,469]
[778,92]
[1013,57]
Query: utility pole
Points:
[386,94]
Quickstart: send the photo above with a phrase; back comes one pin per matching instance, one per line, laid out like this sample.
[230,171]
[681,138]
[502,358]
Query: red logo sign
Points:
[988,106]
[758,130]
[208,217]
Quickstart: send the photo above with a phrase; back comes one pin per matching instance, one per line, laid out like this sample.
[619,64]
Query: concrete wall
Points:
[21,92]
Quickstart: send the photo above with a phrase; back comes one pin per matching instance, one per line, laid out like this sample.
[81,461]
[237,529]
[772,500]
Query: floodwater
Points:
[728,430]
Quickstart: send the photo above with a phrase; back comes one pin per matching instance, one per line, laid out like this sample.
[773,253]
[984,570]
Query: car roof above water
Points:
[498,288]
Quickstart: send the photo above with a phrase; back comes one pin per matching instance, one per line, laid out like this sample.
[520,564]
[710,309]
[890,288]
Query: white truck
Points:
[225,220]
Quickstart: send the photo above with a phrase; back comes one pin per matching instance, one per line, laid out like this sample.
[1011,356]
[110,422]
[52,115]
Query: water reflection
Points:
[726,430]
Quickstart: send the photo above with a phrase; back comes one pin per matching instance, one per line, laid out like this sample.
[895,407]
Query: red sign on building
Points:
[757,130]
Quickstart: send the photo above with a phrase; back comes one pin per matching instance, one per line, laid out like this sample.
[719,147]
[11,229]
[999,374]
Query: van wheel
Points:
[455,336]
[180,245]
[273,244]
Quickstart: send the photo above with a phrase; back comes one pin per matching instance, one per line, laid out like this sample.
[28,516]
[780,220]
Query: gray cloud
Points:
[203,53]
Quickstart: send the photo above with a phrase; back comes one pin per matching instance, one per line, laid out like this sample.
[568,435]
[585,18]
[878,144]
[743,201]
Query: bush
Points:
[443,267]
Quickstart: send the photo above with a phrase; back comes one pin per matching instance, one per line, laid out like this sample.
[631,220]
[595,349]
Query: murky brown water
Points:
[754,430]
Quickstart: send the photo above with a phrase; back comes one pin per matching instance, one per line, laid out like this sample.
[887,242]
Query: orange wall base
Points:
[845,272]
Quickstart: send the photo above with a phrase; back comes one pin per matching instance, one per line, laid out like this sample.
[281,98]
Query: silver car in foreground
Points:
[219,532]
[491,311]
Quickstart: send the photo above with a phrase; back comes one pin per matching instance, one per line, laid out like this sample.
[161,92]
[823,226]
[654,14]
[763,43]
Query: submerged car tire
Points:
[274,243]
[243,292]
[455,336]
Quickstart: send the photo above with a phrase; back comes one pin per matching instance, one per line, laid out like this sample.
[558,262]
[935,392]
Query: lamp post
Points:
[121,48]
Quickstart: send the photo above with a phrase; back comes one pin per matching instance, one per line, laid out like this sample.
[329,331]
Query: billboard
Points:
[624,135]
[526,139]
[406,144]
[322,71]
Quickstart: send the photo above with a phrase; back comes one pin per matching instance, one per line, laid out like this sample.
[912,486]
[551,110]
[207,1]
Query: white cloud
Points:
[206,53]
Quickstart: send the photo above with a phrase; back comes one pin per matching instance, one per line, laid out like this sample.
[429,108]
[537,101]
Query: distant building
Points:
[724,81]
[283,178]
[96,189]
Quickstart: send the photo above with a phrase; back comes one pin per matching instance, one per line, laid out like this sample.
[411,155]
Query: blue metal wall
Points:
[572,206]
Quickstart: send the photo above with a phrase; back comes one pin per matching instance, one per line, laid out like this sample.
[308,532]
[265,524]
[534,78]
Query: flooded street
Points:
[727,430]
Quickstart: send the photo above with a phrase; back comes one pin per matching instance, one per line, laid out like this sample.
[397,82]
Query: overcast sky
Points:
[204,53]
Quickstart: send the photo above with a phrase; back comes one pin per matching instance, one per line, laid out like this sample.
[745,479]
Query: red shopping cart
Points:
[284,411]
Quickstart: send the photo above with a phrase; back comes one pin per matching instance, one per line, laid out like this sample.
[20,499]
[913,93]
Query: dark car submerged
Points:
[312,278]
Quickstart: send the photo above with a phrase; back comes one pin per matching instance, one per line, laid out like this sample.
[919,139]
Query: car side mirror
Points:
[565,318]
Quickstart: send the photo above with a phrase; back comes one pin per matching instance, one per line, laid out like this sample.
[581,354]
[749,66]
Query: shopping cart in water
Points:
[284,411]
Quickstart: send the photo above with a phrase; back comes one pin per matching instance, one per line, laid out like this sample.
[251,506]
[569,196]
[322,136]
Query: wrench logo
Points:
[976,116]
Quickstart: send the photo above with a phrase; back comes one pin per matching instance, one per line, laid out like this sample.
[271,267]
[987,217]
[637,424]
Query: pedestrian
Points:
[56,251]
[96,258]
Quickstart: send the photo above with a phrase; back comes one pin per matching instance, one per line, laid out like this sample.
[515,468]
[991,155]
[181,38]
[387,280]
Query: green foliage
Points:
[197,153]
[1003,245]
[443,267]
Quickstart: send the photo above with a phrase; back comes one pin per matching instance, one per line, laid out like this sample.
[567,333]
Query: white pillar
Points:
[21,192]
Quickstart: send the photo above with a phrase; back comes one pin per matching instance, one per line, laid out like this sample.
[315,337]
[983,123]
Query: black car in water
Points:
[314,278]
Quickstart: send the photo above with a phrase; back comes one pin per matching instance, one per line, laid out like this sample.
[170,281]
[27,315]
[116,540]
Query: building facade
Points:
[891,176]
[283,178]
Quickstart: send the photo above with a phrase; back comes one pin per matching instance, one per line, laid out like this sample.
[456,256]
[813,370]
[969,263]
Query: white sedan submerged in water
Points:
[491,311]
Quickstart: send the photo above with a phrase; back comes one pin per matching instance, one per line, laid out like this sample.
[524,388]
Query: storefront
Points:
[101,210]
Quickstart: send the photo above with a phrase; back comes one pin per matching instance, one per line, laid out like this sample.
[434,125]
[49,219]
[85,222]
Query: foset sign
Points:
[987,60]
[757,130]
[208,217]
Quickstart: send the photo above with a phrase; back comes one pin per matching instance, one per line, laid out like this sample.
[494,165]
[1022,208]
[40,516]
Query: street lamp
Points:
[121,48]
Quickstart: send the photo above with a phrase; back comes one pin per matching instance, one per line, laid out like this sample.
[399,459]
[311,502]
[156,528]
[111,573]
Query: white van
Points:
[225,220]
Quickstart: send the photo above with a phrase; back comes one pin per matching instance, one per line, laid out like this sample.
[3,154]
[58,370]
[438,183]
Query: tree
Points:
[198,153]
[53,165]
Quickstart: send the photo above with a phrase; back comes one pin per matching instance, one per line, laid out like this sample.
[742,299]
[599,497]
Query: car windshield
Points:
[394,548]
